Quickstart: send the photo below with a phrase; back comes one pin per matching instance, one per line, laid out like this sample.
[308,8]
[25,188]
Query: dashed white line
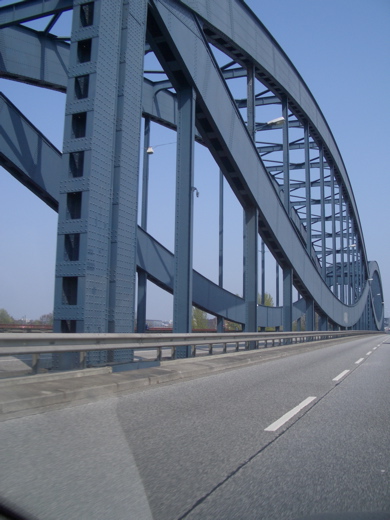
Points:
[337,378]
[375,348]
[359,360]
[286,417]
[368,353]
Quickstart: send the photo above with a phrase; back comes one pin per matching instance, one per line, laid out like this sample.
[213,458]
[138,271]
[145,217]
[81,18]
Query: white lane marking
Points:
[368,353]
[359,360]
[337,378]
[287,416]
[375,348]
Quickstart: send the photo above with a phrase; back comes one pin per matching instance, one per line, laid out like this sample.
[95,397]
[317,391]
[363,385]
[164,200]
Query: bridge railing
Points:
[35,344]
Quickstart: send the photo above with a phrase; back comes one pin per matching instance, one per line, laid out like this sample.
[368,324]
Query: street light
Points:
[150,149]
[278,121]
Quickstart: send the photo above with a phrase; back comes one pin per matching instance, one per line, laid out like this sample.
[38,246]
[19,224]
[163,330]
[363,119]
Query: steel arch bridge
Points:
[286,172]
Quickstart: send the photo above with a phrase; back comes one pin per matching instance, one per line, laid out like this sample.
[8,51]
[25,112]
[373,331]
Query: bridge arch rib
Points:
[303,209]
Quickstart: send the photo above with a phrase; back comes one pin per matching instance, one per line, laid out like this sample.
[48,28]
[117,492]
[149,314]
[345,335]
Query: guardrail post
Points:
[35,363]
[83,359]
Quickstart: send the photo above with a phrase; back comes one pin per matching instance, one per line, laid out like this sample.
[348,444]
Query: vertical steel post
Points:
[251,227]
[250,268]
[286,156]
[342,266]
[142,277]
[96,251]
[145,175]
[354,252]
[129,85]
[287,271]
[251,100]
[358,271]
[277,291]
[323,322]
[262,273]
[308,188]
[347,219]
[220,320]
[287,299]
[182,286]
[333,202]
[323,220]
[309,313]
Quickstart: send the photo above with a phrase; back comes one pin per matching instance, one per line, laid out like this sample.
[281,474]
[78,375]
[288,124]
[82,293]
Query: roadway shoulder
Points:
[36,394]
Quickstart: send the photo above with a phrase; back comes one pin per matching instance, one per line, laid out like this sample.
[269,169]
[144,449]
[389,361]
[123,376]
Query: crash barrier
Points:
[165,345]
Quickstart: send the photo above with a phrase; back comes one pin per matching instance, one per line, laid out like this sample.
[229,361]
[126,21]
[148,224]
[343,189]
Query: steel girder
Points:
[180,32]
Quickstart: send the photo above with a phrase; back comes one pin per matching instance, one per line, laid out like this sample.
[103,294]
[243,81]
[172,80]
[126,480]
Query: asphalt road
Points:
[299,437]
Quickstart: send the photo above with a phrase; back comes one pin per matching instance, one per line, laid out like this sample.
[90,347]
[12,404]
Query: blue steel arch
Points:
[316,240]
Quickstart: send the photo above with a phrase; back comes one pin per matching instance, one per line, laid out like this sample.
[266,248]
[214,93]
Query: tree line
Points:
[7,319]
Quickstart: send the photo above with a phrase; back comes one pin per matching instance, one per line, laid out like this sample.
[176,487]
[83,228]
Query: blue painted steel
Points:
[99,246]
[250,268]
[287,299]
[182,293]
[27,154]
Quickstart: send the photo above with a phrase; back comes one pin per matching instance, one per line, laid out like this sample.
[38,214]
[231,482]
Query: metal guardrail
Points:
[36,344]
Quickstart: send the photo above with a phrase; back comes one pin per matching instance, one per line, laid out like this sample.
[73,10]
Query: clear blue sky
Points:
[341,50]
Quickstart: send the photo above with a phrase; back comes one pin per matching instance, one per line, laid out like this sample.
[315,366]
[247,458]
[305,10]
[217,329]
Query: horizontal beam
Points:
[31,10]
[28,155]
[34,58]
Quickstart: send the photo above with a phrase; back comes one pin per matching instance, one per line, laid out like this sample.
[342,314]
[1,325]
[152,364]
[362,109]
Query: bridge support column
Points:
[323,323]
[182,285]
[142,276]
[308,189]
[287,299]
[262,273]
[97,225]
[334,235]
[141,301]
[251,269]
[309,313]
[342,260]
[286,156]
[323,214]
[220,321]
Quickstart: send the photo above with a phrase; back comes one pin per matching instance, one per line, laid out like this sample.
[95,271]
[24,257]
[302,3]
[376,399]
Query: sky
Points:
[340,48]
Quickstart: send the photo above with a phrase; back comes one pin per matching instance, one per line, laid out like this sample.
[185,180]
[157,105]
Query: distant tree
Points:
[5,317]
[199,319]
[46,319]
[232,326]
[268,300]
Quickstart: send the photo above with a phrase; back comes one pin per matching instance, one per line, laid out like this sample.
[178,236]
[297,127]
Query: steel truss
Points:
[286,172]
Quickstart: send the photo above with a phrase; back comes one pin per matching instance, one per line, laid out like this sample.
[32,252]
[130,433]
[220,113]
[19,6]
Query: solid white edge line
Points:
[337,378]
[287,416]
[359,360]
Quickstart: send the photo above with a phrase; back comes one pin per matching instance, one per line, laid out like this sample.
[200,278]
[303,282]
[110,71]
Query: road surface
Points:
[300,437]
